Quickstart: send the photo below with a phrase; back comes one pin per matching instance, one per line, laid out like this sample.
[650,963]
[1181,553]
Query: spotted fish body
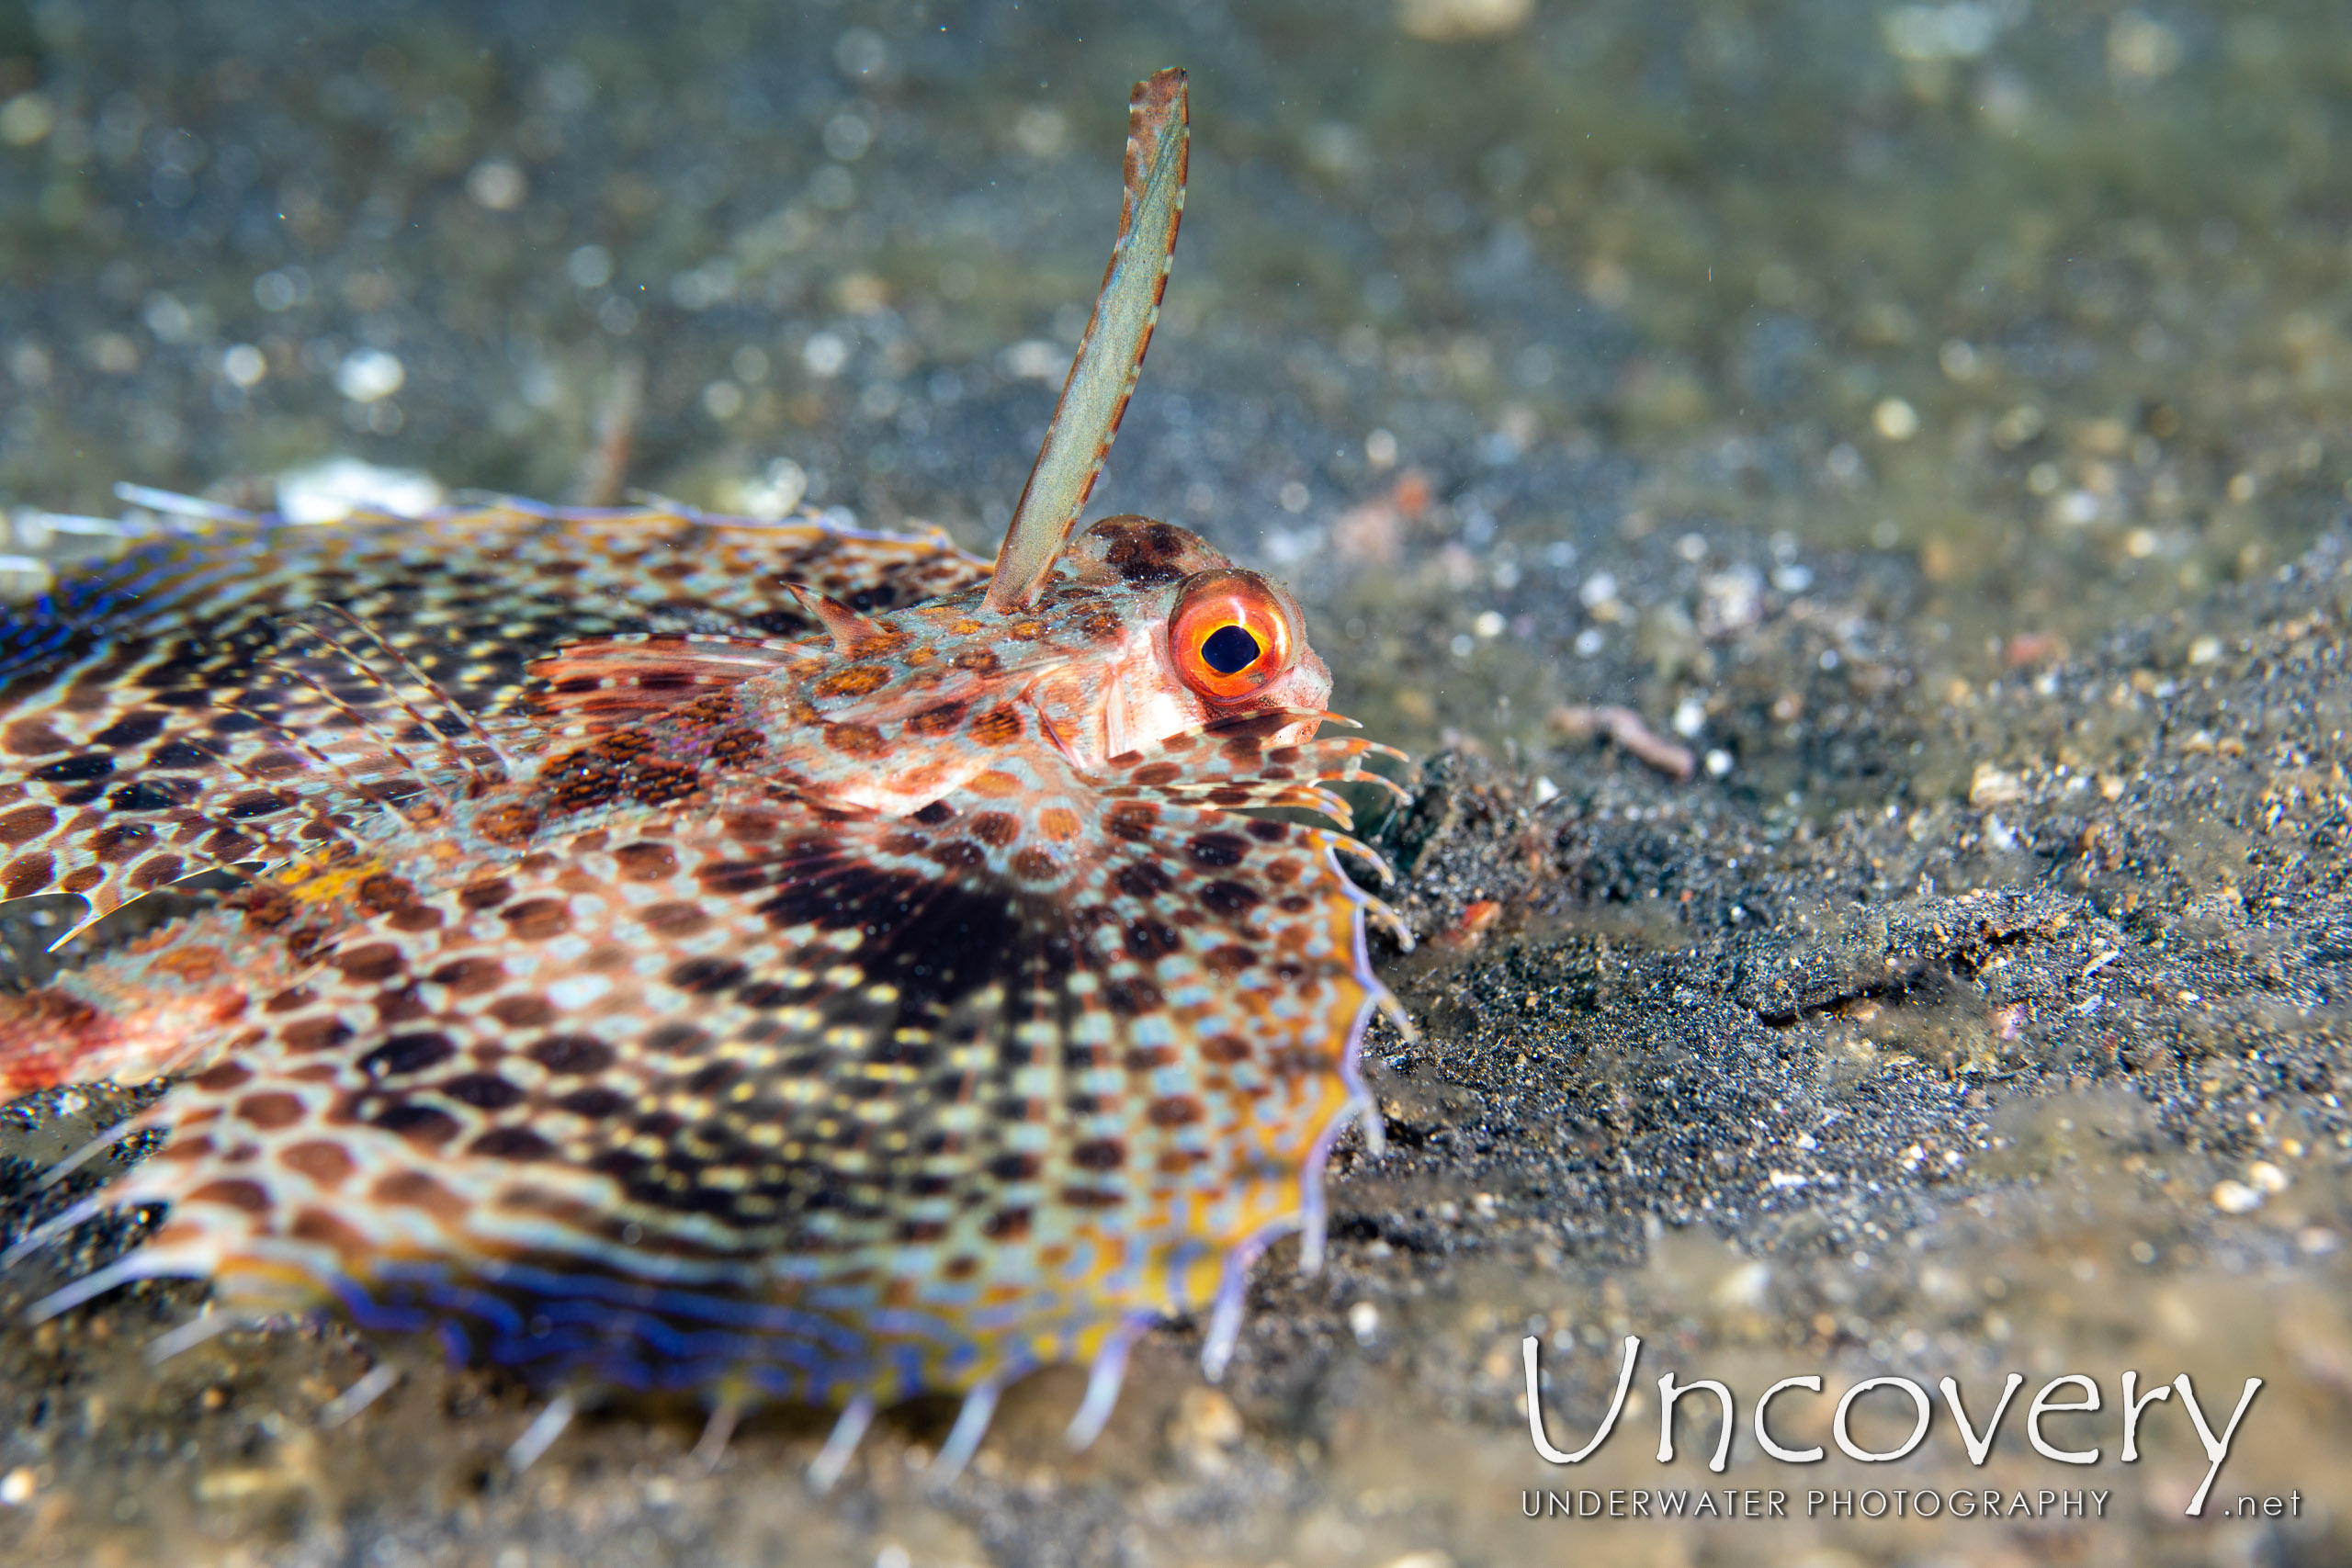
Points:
[644,992]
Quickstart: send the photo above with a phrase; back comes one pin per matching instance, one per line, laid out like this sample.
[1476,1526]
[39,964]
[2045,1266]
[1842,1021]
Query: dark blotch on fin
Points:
[407,1053]
[76,770]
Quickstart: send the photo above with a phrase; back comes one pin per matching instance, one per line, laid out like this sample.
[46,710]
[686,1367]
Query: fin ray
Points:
[1110,356]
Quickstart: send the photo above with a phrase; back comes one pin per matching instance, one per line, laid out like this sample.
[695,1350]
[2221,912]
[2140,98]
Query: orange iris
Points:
[1229,635]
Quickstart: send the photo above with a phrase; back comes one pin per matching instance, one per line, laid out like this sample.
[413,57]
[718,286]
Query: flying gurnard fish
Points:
[775,961]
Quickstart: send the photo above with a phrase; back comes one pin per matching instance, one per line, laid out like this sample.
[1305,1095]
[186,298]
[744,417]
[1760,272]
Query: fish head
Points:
[1180,638]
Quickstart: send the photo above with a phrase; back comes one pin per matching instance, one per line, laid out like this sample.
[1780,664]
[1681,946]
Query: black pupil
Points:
[1230,650]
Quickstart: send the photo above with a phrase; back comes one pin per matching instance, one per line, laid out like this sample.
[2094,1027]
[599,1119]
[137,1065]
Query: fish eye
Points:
[1229,635]
[1229,649]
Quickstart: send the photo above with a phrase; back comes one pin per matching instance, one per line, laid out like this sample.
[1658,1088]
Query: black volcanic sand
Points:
[1935,418]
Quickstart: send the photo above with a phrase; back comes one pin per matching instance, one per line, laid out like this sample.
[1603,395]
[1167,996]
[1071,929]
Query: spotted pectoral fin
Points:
[1134,1026]
[600,684]
[467,598]
[174,708]
[477,583]
[874,1105]
[142,763]
[159,795]
[286,753]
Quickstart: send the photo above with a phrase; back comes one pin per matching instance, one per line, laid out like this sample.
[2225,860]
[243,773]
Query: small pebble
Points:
[1204,1426]
[24,578]
[1896,420]
[2236,1197]
[1450,20]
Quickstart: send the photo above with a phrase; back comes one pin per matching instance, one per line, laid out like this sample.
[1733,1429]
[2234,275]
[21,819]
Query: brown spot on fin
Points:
[605,683]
